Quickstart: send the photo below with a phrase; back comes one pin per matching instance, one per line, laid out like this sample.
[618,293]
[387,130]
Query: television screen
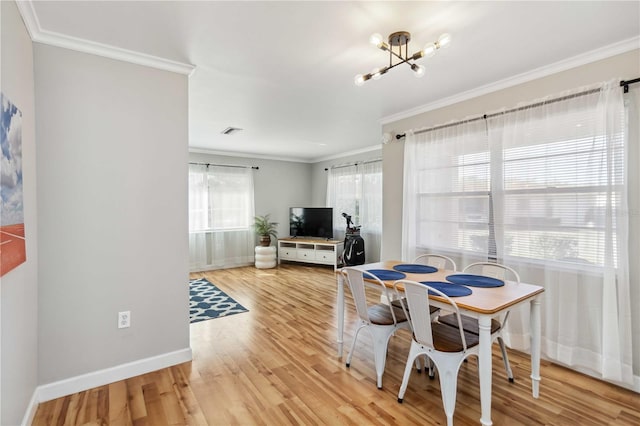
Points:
[316,222]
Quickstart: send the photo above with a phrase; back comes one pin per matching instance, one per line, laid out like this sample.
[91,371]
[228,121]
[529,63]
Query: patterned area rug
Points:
[206,301]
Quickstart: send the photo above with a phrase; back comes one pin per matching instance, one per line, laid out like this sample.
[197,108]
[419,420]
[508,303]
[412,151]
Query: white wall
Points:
[278,185]
[112,204]
[19,287]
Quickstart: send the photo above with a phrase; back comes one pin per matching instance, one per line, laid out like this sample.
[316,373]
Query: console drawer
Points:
[288,253]
[328,256]
[306,255]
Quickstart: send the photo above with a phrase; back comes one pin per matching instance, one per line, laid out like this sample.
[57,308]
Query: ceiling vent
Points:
[231,130]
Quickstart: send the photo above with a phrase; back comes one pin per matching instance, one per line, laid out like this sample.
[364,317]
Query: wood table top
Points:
[482,300]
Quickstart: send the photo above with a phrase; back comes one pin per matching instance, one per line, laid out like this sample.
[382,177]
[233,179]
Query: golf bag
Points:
[353,253]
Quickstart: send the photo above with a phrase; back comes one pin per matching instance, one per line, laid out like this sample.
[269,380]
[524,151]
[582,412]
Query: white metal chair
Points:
[447,347]
[381,320]
[436,260]
[439,261]
[493,270]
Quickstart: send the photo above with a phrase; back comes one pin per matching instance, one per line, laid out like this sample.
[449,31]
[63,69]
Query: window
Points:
[539,190]
[357,191]
[221,212]
[447,192]
[220,198]
[542,188]
[556,196]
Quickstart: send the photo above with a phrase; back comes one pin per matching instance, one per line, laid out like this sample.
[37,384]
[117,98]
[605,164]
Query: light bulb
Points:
[418,69]
[444,40]
[429,50]
[375,74]
[375,39]
[359,80]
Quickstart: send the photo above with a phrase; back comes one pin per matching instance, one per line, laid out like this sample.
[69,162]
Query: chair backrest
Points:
[416,297]
[493,270]
[355,279]
[437,261]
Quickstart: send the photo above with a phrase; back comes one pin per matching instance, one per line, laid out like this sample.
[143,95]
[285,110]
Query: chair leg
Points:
[428,366]
[432,371]
[381,338]
[353,344]
[414,353]
[419,366]
[448,374]
[505,358]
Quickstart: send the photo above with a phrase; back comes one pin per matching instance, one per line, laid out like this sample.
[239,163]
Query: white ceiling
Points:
[283,71]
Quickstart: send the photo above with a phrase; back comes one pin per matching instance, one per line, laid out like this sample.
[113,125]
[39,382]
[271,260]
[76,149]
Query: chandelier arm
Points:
[409,63]
[397,56]
[419,54]
[400,63]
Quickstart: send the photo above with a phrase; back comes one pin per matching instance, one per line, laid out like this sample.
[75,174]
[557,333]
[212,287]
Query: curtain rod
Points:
[226,165]
[623,83]
[352,164]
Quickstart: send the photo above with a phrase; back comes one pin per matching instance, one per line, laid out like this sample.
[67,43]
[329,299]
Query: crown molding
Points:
[247,155]
[52,38]
[348,154]
[573,62]
[289,159]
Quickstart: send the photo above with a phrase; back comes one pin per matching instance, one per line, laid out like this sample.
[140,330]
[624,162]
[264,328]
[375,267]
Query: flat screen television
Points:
[311,222]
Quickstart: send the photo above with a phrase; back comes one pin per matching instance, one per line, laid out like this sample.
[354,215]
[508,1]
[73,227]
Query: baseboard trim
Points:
[31,409]
[102,377]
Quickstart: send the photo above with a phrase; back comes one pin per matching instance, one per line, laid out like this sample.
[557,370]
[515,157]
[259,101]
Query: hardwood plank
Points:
[137,407]
[277,365]
[119,413]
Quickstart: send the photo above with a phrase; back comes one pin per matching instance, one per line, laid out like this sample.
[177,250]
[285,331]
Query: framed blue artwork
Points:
[12,242]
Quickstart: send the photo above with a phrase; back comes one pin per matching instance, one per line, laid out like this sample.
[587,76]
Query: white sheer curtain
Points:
[357,191]
[342,196]
[221,212]
[370,209]
[565,224]
[446,193]
[555,189]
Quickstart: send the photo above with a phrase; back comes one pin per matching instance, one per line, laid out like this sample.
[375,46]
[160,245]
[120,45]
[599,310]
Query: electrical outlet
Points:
[124,319]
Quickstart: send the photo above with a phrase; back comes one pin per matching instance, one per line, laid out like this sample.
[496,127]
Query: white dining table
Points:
[484,304]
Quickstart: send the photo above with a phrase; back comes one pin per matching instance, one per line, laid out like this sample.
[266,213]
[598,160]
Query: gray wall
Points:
[283,184]
[112,217]
[621,67]
[278,185]
[19,287]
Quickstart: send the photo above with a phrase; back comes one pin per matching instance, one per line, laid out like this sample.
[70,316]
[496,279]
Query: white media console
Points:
[310,250]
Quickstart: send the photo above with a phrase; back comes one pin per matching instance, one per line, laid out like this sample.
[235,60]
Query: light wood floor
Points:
[277,365]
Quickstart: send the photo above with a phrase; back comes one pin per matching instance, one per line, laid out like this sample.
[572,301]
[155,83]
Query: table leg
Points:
[340,307]
[535,346]
[485,367]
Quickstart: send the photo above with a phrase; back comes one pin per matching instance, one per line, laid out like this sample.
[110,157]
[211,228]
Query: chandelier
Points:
[395,44]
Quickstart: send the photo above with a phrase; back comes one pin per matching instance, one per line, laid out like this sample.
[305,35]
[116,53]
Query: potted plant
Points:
[265,229]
